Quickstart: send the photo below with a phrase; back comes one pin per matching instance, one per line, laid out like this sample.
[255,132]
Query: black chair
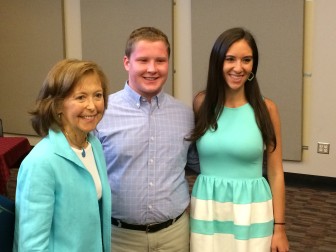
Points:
[7,223]
[1,129]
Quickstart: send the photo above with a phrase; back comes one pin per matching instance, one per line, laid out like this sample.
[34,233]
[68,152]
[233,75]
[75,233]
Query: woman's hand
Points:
[279,239]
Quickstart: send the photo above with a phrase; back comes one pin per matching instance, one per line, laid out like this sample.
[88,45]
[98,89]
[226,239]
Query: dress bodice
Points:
[235,148]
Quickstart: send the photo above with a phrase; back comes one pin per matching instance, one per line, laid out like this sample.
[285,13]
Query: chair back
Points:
[1,128]
[7,224]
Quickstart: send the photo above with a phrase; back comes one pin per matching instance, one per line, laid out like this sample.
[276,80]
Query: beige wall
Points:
[319,102]
[319,120]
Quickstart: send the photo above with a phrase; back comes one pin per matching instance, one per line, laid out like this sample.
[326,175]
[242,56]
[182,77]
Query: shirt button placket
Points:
[151,164]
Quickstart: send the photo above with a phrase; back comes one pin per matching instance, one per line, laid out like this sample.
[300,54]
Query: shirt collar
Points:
[138,99]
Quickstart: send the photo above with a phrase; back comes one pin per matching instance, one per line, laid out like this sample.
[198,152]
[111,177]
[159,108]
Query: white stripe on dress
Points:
[226,242]
[240,214]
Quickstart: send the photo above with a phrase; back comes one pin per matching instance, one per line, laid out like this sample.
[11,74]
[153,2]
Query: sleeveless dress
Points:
[231,202]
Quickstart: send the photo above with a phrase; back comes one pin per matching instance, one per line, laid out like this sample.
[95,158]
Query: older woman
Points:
[63,200]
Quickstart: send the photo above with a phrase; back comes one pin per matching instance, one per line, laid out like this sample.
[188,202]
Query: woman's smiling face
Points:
[83,108]
[237,65]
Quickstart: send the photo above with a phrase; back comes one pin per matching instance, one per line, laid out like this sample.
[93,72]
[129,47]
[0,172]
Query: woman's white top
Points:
[90,164]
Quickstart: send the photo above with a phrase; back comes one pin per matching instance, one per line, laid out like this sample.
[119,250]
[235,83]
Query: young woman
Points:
[233,208]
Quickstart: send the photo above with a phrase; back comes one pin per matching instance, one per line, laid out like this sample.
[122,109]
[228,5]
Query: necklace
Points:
[81,147]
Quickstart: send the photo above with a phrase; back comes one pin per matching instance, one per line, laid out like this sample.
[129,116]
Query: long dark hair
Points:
[214,95]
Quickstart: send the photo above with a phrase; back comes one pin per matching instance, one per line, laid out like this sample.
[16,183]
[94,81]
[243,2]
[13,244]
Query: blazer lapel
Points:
[63,148]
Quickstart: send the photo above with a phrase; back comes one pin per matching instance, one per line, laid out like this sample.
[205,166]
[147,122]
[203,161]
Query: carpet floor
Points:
[310,214]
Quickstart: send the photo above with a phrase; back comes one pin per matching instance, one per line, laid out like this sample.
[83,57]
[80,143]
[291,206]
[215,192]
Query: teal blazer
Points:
[56,200]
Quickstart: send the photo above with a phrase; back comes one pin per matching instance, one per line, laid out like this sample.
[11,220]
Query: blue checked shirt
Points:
[146,155]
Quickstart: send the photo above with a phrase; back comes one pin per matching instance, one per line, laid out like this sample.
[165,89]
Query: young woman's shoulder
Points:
[272,107]
[270,104]
[198,100]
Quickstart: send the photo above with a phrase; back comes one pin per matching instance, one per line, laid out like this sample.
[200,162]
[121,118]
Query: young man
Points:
[143,134]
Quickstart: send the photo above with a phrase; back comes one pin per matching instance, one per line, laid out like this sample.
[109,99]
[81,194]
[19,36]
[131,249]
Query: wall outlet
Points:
[323,148]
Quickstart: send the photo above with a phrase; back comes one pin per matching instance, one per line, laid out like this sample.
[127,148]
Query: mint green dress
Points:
[231,202]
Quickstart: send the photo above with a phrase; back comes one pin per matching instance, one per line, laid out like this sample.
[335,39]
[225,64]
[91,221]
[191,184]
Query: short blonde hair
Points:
[145,33]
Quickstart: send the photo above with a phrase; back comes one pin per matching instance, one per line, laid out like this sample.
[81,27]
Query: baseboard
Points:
[296,179]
